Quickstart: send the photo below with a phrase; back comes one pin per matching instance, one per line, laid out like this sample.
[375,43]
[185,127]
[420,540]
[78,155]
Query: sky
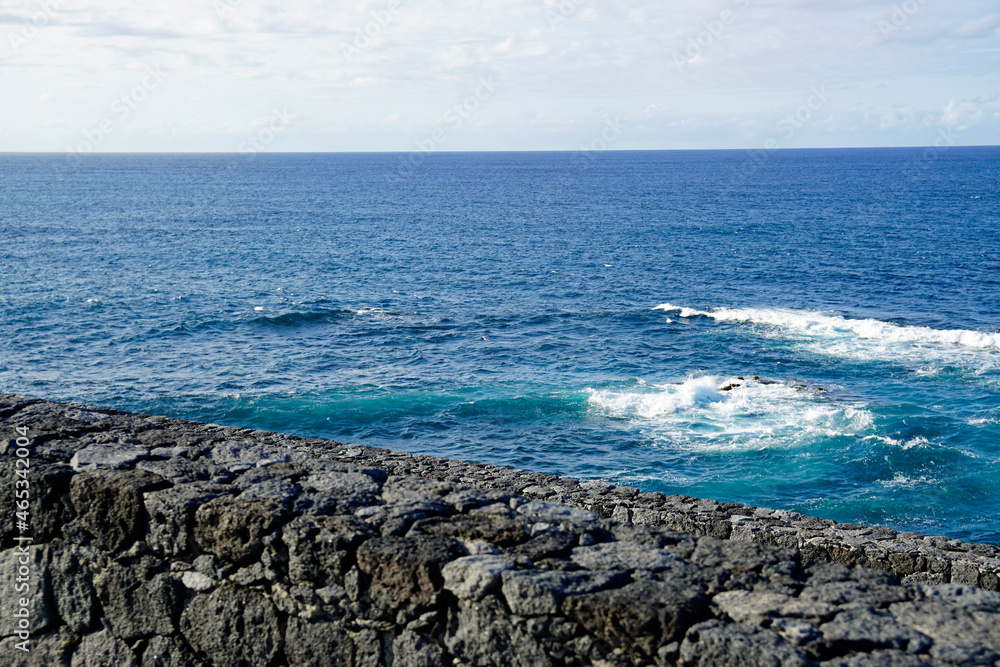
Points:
[403,75]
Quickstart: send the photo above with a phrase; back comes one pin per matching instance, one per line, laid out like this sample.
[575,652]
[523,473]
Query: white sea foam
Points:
[857,338]
[670,399]
[919,441]
[697,413]
[374,313]
[832,326]
[901,481]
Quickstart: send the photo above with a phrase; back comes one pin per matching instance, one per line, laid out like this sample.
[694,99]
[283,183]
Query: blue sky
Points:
[321,75]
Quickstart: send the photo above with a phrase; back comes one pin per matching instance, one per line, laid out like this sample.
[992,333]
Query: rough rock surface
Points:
[162,543]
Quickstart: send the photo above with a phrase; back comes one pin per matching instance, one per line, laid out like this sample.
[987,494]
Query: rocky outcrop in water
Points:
[159,542]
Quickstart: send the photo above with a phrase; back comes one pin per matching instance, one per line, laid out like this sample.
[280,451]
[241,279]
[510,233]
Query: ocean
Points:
[813,330]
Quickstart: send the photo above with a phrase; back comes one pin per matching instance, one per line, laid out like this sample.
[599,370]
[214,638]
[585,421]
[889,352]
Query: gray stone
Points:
[481,548]
[959,596]
[741,556]
[406,571]
[809,609]
[25,574]
[245,455]
[180,470]
[541,592]
[864,629]
[640,617]
[854,593]
[825,573]
[542,510]
[368,649]
[321,548]
[668,654]
[400,516]
[233,626]
[965,654]
[537,491]
[548,544]
[483,634]
[470,499]
[718,644]
[596,487]
[924,578]
[881,659]
[252,575]
[196,581]
[950,623]
[331,594]
[171,515]
[84,415]
[404,489]
[161,433]
[73,588]
[107,455]
[53,649]
[795,631]
[136,602]
[650,536]
[965,572]
[11,404]
[101,649]
[49,507]
[169,452]
[168,652]
[336,492]
[318,644]
[624,556]
[110,507]
[749,607]
[211,566]
[279,489]
[50,419]
[415,650]
[498,530]
[234,528]
[279,472]
[472,577]
[396,520]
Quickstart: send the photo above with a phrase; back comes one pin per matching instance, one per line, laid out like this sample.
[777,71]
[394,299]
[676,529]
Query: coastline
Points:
[187,528]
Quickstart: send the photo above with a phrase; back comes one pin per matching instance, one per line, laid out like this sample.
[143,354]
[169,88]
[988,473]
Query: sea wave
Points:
[713,412]
[863,339]
[296,318]
[830,326]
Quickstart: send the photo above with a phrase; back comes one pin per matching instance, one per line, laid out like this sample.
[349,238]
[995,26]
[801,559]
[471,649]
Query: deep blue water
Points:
[566,313]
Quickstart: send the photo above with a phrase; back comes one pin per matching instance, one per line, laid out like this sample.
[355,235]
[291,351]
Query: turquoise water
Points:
[573,314]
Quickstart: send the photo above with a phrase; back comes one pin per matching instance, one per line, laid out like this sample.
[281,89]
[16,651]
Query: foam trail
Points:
[864,339]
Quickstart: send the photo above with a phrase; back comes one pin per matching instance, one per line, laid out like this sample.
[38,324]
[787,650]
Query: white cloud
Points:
[961,115]
[978,28]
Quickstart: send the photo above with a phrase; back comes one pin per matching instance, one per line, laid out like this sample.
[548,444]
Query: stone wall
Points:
[160,542]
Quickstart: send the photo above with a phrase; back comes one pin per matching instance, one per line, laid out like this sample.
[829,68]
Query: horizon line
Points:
[541,150]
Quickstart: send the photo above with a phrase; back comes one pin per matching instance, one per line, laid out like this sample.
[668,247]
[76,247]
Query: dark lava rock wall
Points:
[157,542]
